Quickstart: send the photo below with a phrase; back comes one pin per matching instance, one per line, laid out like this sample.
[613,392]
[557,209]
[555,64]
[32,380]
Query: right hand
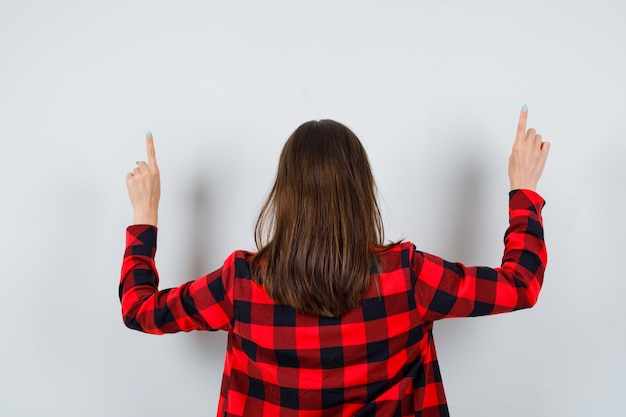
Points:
[528,157]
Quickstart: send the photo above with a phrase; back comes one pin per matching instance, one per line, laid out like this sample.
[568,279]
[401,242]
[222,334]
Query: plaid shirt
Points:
[376,360]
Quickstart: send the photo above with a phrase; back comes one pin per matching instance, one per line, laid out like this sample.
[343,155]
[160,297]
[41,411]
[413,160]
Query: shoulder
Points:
[395,258]
[237,264]
[398,252]
[405,257]
[394,274]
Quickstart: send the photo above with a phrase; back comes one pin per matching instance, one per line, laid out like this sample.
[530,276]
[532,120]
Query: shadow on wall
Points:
[201,245]
[198,225]
[465,222]
[466,192]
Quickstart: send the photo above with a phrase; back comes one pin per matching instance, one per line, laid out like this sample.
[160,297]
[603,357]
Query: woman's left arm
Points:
[196,305]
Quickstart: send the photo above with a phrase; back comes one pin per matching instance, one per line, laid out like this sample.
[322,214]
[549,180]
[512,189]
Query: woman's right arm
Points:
[445,289]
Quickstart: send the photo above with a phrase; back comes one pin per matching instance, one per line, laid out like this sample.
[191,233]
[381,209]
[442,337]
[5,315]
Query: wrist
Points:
[150,218]
[521,186]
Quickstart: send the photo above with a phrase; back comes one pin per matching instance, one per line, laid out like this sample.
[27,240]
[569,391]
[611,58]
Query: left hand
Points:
[144,187]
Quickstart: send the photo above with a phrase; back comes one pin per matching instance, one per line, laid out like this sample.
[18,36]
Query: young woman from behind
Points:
[325,319]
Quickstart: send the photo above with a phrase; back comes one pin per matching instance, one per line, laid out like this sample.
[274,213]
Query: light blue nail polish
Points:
[525,108]
[149,134]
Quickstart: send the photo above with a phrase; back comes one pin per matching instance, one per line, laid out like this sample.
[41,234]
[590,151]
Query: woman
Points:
[325,319]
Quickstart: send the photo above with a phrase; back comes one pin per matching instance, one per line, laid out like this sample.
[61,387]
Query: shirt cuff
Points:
[526,199]
[141,235]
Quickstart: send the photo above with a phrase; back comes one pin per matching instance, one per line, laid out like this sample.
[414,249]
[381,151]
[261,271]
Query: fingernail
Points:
[137,163]
[149,134]
[524,108]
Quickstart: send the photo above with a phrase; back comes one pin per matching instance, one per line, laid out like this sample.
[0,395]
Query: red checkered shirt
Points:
[376,360]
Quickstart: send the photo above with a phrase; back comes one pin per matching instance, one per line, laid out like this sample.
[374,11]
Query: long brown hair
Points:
[319,229]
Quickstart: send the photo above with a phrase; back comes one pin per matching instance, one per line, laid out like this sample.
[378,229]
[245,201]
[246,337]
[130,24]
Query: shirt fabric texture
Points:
[376,360]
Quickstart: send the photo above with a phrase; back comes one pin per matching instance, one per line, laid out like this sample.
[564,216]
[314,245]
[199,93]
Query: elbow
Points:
[136,310]
[135,319]
[130,317]
[528,294]
[141,316]
[132,323]
[533,297]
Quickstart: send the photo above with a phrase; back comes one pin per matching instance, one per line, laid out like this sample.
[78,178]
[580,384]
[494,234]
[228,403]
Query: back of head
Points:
[319,228]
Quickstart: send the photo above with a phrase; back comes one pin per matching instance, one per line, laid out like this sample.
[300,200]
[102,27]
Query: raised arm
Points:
[445,289]
[202,304]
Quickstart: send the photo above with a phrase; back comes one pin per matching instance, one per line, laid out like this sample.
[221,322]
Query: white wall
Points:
[433,89]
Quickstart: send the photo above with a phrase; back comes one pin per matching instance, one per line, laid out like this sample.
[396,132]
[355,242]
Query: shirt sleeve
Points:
[203,304]
[444,289]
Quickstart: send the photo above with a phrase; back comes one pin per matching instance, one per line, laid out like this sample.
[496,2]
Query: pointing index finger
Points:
[521,126]
[150,148]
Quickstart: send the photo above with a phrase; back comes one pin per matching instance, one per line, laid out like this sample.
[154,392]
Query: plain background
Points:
[433,89]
